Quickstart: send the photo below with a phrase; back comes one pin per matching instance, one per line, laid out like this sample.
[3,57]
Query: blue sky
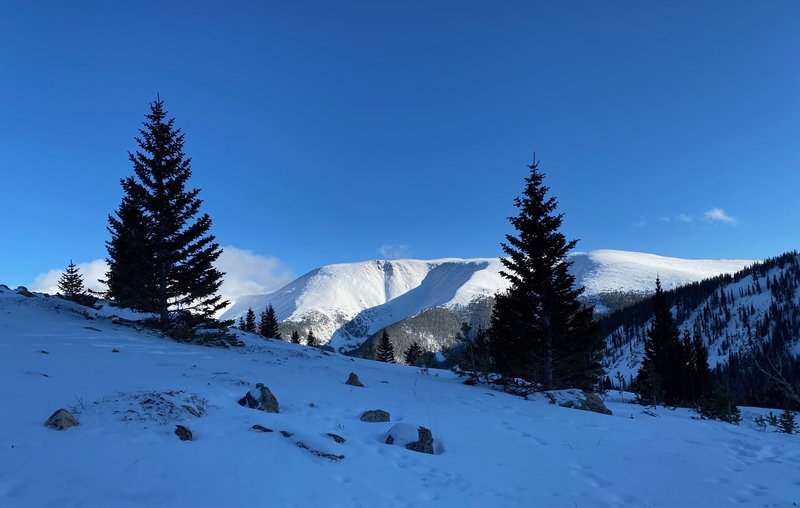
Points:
[325,132]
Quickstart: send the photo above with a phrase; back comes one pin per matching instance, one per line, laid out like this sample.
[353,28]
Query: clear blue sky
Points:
[322,131]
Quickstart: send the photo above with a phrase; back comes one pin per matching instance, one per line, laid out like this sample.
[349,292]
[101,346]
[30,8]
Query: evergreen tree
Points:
[268,325]
[70,285]
[295,337]
[161,254]
[242,325]
[540,331]
[786,422]
[476,360]
[250,320]
[311,340]
[664,366]
[385,350]
[413,354]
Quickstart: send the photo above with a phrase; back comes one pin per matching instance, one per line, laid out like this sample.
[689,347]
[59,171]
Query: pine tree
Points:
[786,422]
[413,354]
[385,350]
[657,377]
[250,320]
[295,337]
[311,340]
[268,324]
[540,331]
[161,254]
[70,285]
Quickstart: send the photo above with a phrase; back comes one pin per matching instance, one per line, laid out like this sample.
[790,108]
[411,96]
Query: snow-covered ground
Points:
[130,388]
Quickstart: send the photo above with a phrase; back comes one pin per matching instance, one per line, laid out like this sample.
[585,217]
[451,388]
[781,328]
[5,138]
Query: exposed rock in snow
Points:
[260,398]
[353,380]
[183,433]
[61,420]
[374,416]
[413,437]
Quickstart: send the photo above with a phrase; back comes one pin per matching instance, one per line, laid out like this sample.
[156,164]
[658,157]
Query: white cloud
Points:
[92,271]
[394,251]
[719,215]
[685,217]
[664,219]
[246,273]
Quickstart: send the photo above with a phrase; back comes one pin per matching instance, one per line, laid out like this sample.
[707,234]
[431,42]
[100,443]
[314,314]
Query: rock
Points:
[374,416]
[44,352]
[325,455]
[286,433]
[339,439]
[353,380]
[22,290]
[413,437]
[260,398]
[578,399]
[61,420]
[115,350]
[261,428]
[183,433]
[593,403]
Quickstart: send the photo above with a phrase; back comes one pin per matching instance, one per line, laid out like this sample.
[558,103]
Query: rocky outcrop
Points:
[260,398]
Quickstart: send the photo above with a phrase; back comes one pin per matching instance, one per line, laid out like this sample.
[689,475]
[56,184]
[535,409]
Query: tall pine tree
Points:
[250,320]
[268,323]
[385,350]
[311,340]
[413,354]
[540,331]
[295,339]
[161,255]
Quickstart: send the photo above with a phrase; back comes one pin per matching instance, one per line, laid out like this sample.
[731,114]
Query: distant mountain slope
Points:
[345,304]
[757,306]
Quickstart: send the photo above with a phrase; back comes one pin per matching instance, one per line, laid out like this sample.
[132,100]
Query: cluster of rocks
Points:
[412,437]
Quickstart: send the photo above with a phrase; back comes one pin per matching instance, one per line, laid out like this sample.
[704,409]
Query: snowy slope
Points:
[494,449]
[747,316]
[346,303]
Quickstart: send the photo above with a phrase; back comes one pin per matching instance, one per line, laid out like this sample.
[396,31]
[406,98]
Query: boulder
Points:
[578,399]
[374,416]
[61,420]
[261,428]
[412,437]
[183,433]
[339,439]
[353,380]
[260,398]
[22,290]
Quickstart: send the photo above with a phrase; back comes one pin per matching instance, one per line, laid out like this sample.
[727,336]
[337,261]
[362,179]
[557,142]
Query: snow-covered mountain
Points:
[129,388]
[345,304]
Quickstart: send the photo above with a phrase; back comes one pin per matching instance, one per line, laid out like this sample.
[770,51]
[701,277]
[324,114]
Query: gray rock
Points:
[374,416]
[593,403]
[260,398]
[339,439]
[61,420]
[261,428]
[415,438]
[22,290]
[183,433]
[353,380]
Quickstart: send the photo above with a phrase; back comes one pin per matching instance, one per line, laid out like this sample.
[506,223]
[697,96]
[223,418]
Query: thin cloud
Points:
[685,217]
[246,273]
[394,251]
[719,215]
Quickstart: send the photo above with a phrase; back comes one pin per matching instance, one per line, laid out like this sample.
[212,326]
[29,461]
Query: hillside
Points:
[129,388]
[346,304]
[753,309]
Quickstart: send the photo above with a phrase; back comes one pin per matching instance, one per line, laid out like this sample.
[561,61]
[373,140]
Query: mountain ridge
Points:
[346,303]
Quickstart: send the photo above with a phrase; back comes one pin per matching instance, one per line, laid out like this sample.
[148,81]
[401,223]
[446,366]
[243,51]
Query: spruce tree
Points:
[665,368]
[161,253]
[268,324]
[540,331]
[250,320]
[311,340]
[295,337]
[413,354]
[70,285]
[385,350]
